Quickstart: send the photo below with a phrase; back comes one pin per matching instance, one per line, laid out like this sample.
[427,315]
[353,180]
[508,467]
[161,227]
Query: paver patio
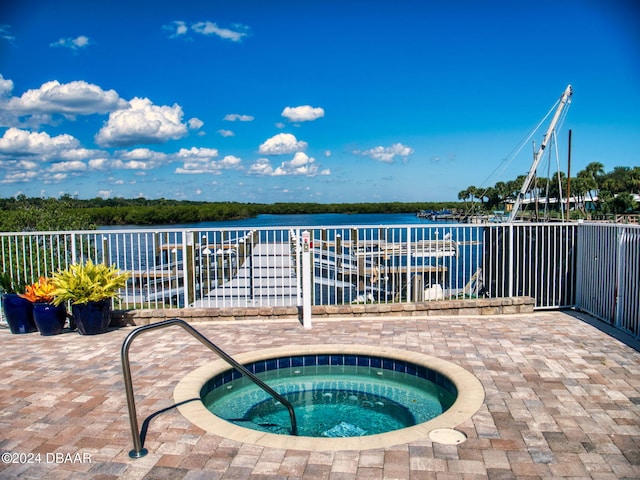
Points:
[562,401]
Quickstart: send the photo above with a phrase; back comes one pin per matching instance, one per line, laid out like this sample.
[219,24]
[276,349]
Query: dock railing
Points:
[592,267]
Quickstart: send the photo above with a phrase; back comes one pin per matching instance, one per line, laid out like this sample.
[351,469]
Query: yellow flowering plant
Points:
[41,291]
[82,283]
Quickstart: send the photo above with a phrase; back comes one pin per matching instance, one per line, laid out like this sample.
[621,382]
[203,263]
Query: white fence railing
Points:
[593,267]
[608,274]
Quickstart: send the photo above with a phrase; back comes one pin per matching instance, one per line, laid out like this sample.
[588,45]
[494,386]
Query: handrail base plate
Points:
[138,454]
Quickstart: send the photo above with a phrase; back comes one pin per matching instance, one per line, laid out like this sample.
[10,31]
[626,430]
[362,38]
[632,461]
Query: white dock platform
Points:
[267,277]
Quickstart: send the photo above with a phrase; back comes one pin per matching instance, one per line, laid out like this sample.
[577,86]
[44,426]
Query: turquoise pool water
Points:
[333,396]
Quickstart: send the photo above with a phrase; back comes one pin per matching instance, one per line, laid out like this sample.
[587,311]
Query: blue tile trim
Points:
[334,359]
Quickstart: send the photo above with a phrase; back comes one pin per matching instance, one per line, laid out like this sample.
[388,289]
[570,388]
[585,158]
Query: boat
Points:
[437,215]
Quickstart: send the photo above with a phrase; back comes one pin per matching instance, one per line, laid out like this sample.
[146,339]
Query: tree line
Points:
[605,192]
[23,213]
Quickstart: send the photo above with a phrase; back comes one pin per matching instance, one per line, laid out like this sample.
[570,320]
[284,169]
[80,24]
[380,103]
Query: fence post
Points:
[408,260]
[510,260]
[74,254]
[620,268]
[105,251]
[297,259]
[307,286]
[187,267]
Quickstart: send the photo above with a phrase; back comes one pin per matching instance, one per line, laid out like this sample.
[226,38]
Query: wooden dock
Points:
[267,277]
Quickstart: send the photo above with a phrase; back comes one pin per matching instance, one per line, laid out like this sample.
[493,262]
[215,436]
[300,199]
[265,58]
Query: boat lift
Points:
[564,101]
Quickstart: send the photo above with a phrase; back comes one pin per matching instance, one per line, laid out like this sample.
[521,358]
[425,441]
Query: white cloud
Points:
[26,165]
[198,168]
[300,164]
[387,154]
[132,165]
[230,161]
[211,28]
[262,166]
[301,159]
[201,161]
[4,33]
[226,133]
[6,86]
[142,123]
[139,159]
[304,113]
[19,176]
[73,166]
[195,123]
[177,28]
[74,98]
[99,163]
[74,154]
[17,142]
[55,178]
[72,43]
[282,143]
[232,117]
[201,153]
[26,156]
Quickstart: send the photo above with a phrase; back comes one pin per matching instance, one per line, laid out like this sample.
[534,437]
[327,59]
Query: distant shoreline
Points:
[69,213]
[165,213]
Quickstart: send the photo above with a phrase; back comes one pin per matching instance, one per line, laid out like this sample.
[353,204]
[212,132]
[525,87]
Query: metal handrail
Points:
[138,451]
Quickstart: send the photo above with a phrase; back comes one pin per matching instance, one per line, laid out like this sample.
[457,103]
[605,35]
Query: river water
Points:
[298,220]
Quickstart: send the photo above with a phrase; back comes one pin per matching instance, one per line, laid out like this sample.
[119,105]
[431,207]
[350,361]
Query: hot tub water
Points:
[332,400]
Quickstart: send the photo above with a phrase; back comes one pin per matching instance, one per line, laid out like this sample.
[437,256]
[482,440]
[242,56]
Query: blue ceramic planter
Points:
[48,318]
[19,313]
[93,317]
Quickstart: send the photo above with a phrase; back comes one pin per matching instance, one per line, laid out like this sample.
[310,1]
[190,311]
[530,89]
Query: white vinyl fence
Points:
[592,267]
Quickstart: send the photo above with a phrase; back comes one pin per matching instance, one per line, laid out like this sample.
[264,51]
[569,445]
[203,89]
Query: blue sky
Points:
[311,101]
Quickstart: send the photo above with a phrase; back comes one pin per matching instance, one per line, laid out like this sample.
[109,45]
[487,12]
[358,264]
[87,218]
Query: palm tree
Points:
[592,176]
[478,194]
[623,203]
[579,189]
[463,195]
[468,192]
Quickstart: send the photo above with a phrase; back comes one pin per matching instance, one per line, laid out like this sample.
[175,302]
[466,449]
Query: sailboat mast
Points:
[564,100]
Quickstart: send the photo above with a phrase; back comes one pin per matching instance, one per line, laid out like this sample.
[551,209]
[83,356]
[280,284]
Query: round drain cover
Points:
[448,436]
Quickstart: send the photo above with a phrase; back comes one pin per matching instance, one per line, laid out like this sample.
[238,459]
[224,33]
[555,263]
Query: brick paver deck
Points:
[562,401]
